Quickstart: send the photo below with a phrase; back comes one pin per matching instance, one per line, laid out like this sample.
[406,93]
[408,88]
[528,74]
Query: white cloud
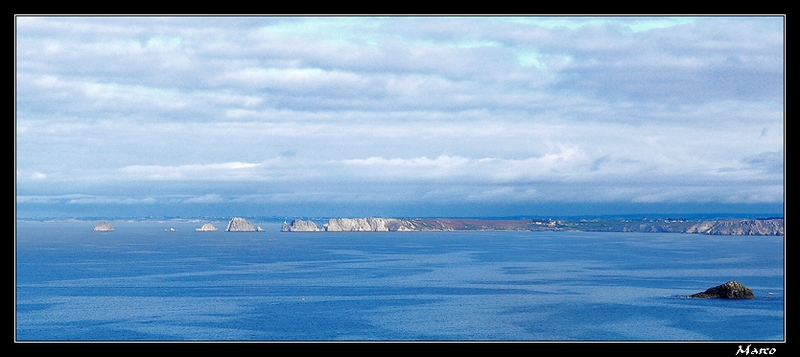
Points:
[85,199]
[208,198]
[217,171]
[111,200]
[568,159]
[443,161]
[96,95]
[293,79]
[36,176]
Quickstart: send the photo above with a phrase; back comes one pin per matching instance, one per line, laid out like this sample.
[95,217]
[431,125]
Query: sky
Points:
[414,116]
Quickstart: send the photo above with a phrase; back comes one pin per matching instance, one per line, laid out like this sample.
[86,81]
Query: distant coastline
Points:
[770,226]
[760,227]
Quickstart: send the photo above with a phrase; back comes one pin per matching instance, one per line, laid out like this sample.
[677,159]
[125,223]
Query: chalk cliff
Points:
[103,226]
[208,227]
[740,227]
[238,224]
[370,224]
[762,227]
[299,225]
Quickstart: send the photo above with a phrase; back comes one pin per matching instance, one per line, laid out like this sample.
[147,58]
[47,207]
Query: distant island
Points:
[103,226]
[238,224]
[208,227]
[752,227]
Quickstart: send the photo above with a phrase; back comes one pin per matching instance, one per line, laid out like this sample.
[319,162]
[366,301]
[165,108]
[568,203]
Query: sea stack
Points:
[730,290]
[208,227]
[238,224]
[103,226]
[299,225]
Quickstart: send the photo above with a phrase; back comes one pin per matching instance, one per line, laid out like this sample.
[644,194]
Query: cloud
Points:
[768,162]
[84,199]
[567,158]
[504,194]
[227,170]
[454,109]
[292,79]
[35,176]
[208,198]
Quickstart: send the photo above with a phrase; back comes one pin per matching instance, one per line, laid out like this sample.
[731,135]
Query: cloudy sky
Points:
[399,116]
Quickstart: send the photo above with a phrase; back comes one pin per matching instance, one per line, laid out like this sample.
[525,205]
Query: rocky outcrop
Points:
[740,227]
[371,224]
[356,225]
[299,225]
[368,225]
[238,224]
[208,227]
[103,226]
[730,290]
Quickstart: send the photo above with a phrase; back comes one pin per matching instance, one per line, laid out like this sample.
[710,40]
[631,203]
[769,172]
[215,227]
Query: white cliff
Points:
[238,224]
[747,227]
[103,226]
[370,224]
[770,226]
[299,225]
[208,227]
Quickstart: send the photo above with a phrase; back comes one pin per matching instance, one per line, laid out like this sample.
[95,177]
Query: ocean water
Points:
[142,283]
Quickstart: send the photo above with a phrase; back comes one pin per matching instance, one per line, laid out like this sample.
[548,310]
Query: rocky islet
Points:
[208,227]
[103,226]
[238,224]
[730,290]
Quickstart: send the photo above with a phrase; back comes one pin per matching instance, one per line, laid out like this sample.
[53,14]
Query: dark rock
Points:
[729,290]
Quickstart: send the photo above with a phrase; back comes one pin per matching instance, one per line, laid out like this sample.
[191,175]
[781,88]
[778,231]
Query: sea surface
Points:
[141,282]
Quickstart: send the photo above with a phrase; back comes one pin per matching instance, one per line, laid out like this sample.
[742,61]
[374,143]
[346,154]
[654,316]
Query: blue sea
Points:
[143,283]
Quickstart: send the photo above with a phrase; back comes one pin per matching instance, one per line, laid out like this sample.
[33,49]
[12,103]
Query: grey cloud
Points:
[683,64]
[769,162]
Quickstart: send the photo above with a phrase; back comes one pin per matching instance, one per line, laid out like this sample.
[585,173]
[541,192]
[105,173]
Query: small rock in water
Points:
[730,290]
